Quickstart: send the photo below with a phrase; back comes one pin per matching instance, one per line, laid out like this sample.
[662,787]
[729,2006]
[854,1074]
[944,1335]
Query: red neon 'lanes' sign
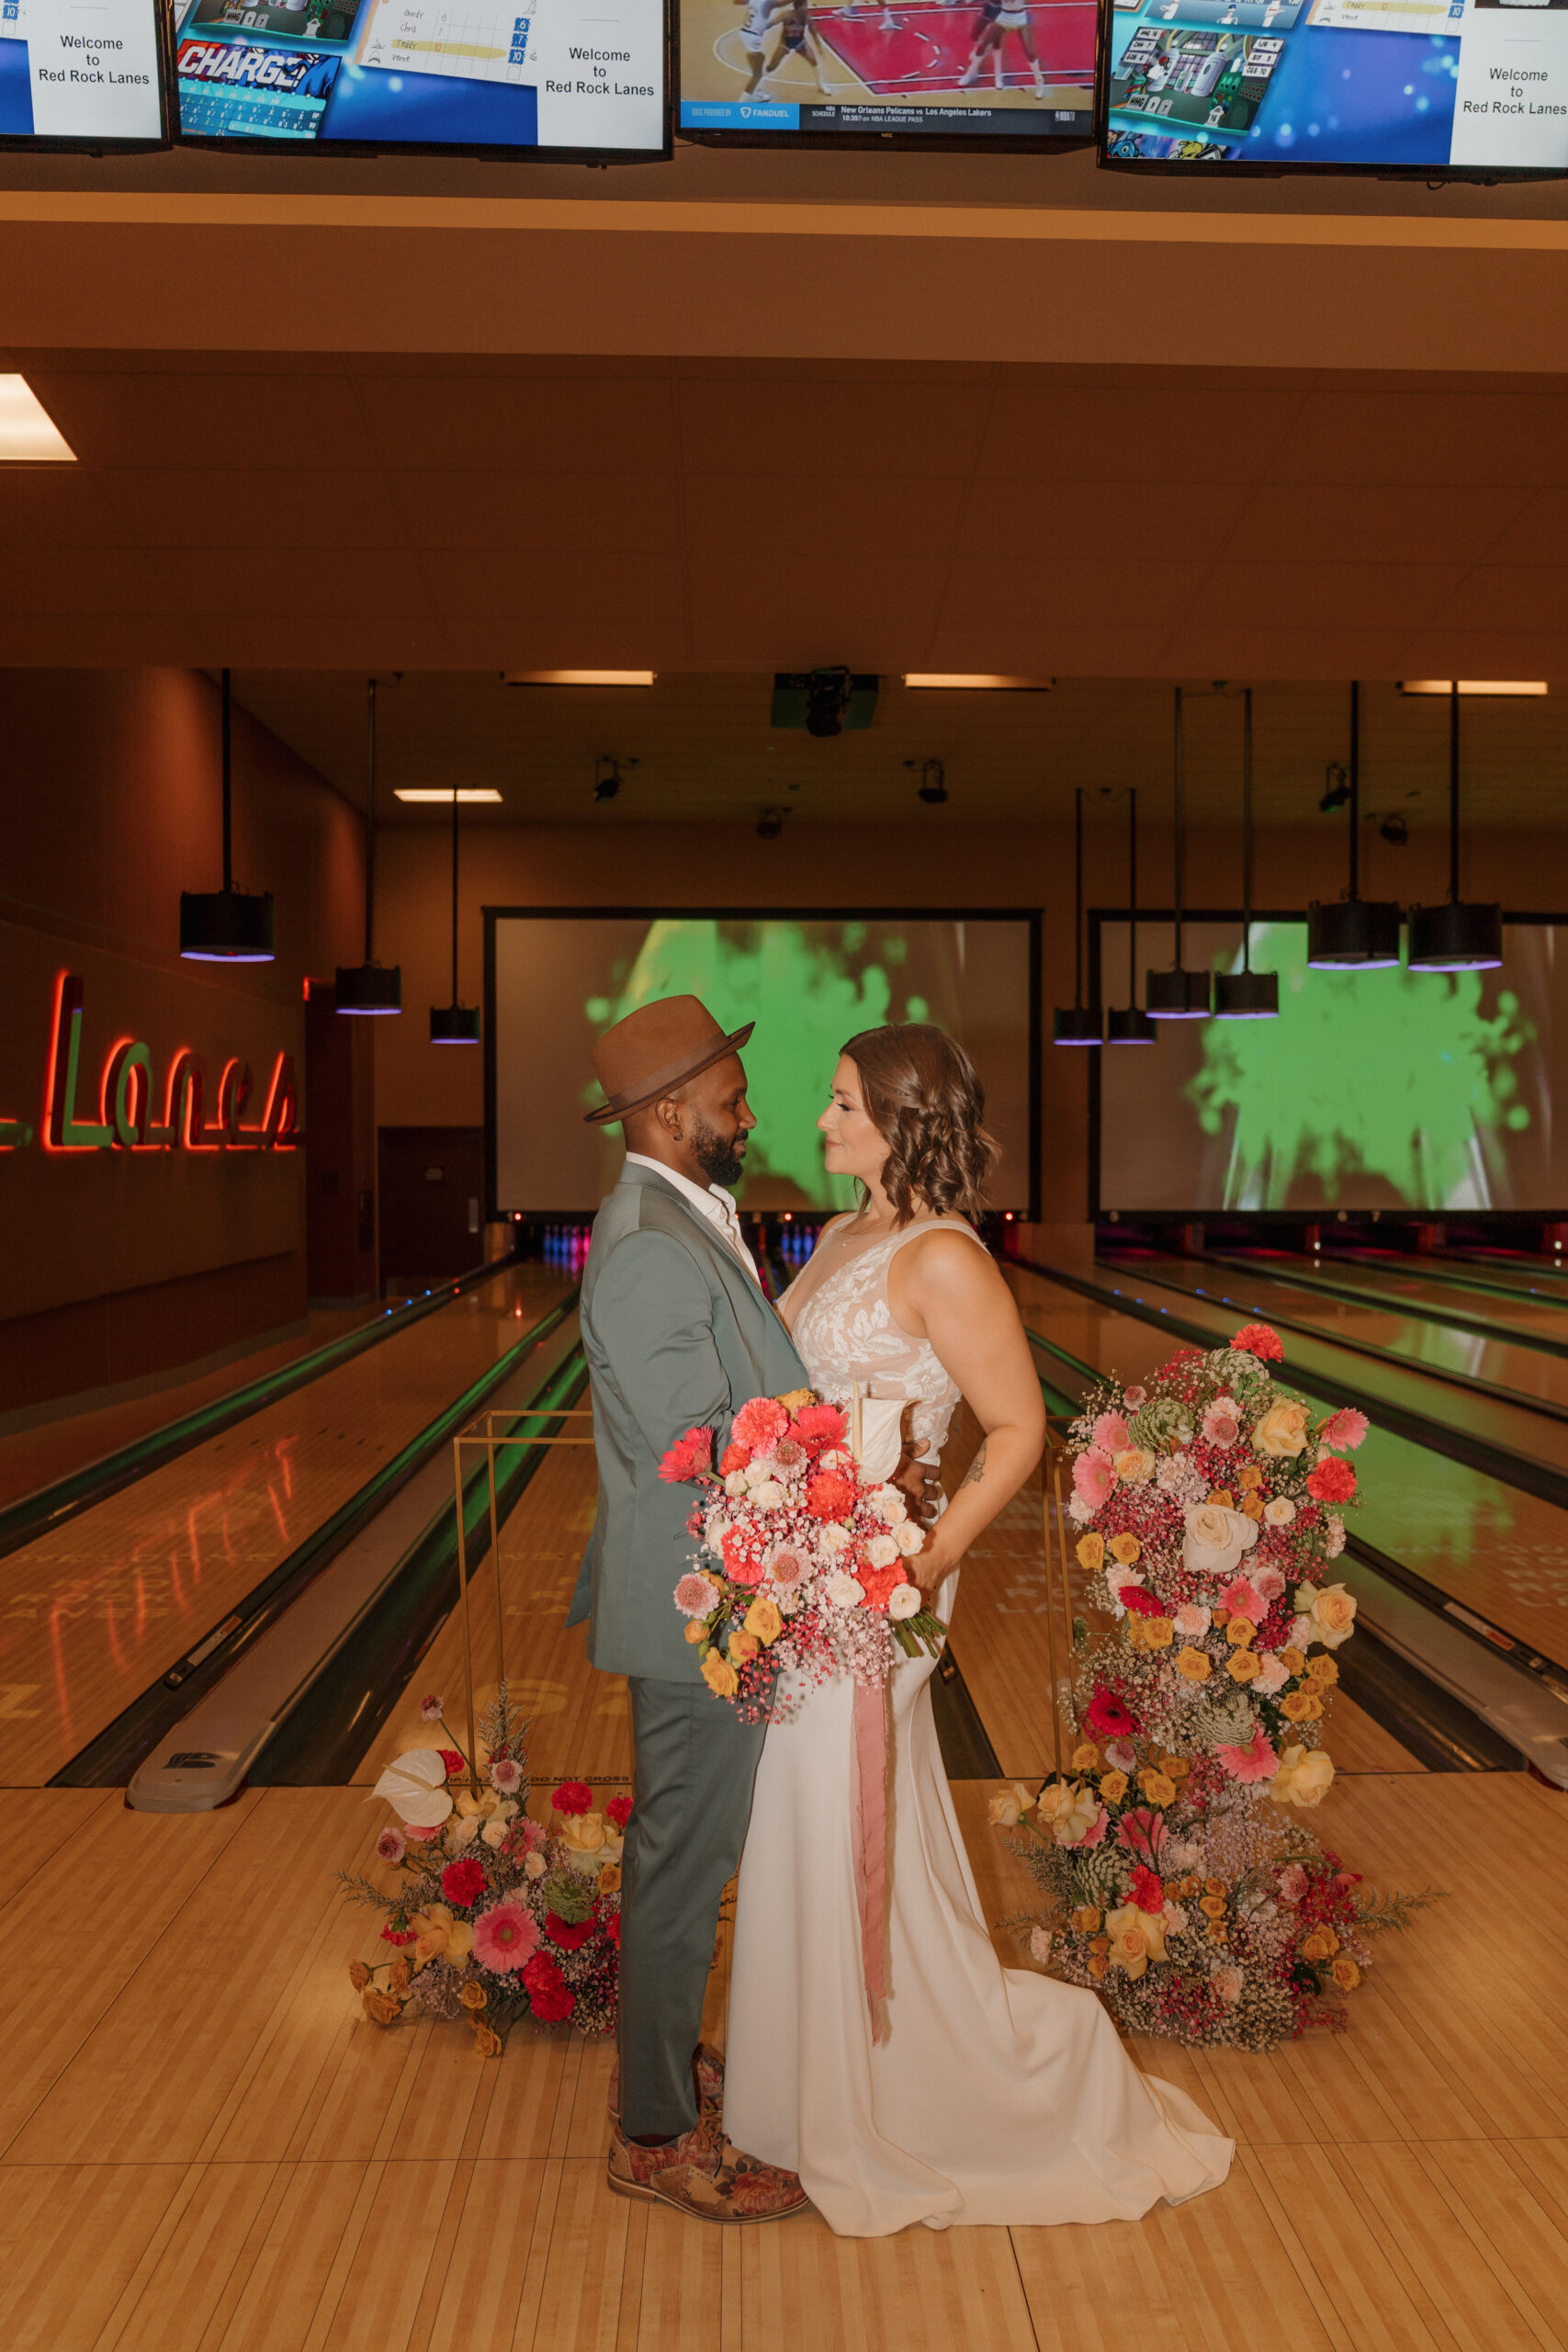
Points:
[127,1093]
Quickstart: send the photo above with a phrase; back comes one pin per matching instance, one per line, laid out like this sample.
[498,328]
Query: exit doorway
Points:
[432,1205]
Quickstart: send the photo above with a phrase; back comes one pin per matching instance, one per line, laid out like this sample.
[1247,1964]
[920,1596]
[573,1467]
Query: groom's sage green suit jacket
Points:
[677,1335]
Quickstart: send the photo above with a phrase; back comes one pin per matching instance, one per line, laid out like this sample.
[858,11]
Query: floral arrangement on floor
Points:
[490,1915]
[1184,1883]
[801,1558]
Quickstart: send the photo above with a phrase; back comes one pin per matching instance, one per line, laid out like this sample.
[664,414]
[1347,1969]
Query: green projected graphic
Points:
[1390,1089]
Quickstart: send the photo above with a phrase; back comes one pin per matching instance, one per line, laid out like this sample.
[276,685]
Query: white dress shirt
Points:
[714,1202]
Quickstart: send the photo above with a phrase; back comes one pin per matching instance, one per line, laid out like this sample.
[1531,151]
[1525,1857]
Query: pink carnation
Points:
[1192,1620]
[1134,1397]
[1147,1892]
[741,1564]
[1345,1429]
[1243,1599]
[1094,1476]
[734,1457]
[759,1424]
[431,1710]
[1332,1481]
[1268,1584]
[1256,1761]
[1222,1424]
[831,1494]
[1292,1882]
[694,1595]
[1110,1433]
[506,1936]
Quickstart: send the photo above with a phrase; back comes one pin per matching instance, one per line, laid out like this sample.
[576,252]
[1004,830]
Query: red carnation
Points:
[613,1928]
[1147,1892]
[618,1812]
[453,1761]
[569,1939]
[1332,1481]
[463,1883]
[734,1457]
[879,1584]
[548,1993]
[741,1565]
[573,1796]
[819,1427]
[1140,1601]
[1257,1339]
[397,1935]
[688,1457]
[829,1495]
[1109,1717]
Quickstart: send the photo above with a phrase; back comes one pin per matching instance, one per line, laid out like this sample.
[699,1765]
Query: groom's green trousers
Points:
[694,1763]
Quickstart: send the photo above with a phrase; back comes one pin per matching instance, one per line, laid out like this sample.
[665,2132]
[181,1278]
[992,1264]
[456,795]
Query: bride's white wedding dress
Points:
[996,2094]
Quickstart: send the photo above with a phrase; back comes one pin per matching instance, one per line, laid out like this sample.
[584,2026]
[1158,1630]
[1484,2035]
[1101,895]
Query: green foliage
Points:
[570,1896]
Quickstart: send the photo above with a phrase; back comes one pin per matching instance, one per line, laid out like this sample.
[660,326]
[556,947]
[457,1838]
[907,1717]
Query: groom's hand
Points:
[919,1482]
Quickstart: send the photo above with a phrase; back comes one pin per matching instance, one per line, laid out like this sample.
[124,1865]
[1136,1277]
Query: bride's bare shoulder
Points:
[949,1262]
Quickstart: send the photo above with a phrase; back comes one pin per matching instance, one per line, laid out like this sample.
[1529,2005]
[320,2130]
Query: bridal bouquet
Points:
[490,1915]
[802,1562]
[1186,1886]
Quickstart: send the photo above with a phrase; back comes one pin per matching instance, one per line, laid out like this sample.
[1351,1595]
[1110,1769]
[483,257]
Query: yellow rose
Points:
[1193,1665]
[1322,1944]
[1179,1767]
[763,1620]
[1190,1885]
[610,1879]
[473,1995]
[1149,1633]
[1216,1931]
[1305,1777]
[1136,1938]
[743,1647]
[584,1833]
[1250,1478]
[1283,1432]
[1097,1967]
[399,1973]
[720,1678]
[1222,1497]
[1133,1463]
[1239,1633]
[1252,1505]
[1006,1811]
[380,2008]
[1214,1886]
[483,1807]
[1346,1974]
[1322,1670]
[1330,1611]
[1212,1906]
[1085,1756]
[796,1399]
[695,1630]
[1086,1919]
[1157,1788]
[432,1928]
[486,2039]
[1125,1548]
[1114,1787]
[1091,1551]
[1301,1707]
[1241,1666]
[1293,1661]
[358,1975]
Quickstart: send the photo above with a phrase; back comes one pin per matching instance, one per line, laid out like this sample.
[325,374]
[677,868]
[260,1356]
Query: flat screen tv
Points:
[555,982]
[950,74]
[1436,88]
[561,80]
[83,75]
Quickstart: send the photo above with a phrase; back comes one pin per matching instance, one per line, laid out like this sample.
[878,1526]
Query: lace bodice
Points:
[845,1333]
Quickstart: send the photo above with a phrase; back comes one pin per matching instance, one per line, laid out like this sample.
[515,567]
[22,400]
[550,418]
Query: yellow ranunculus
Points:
[1114,1787]
[720,1677]
[763,1620]
[1239,1633]
[1305,1777]
[1212,1906]
[1322,1670]
[1157,1787]
[1242,1666]
[1085,1756]
[1283,1432]
[1346,1974]
[1322,1944]
[1194,1666]
[1125,1548]
[1091,1553]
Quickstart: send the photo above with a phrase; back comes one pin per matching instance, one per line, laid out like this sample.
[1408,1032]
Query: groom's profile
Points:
[678,1333]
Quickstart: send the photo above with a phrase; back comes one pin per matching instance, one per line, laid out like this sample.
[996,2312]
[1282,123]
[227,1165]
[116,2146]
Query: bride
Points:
[989,2095]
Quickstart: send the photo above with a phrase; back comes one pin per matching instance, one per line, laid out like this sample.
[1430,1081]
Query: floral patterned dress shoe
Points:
[706,2176]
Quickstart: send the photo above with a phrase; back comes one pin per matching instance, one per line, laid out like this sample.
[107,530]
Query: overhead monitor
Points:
[1390,1090]
[1437,88]
[563,80]
[928,72]
[82,74]
[555,982]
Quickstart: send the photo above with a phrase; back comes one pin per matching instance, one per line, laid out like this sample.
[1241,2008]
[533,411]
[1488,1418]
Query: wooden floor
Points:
[203,2148]
[95,1611]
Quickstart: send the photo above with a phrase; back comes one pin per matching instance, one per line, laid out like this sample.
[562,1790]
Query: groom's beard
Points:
[721,1162]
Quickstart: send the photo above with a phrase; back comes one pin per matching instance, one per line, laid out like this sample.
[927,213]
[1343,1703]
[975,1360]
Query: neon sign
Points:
[128,1096]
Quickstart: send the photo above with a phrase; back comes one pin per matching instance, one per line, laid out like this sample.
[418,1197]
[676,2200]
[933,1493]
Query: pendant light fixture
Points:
[1077,1023]
[1246,995]
[1353,933]
[370,986]
[227,926]
[1126,1024]
[1177,995]
[454,1023]
[1455,938]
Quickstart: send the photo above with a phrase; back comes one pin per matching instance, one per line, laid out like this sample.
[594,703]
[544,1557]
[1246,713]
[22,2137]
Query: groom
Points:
[678,1333]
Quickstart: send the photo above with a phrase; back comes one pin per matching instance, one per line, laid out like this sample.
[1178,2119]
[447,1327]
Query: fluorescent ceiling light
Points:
[29,434]
[442,796]
[962,680]
[577,677]
[1472,686]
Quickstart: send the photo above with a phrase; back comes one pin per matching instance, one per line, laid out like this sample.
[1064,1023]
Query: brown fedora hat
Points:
[656,1049]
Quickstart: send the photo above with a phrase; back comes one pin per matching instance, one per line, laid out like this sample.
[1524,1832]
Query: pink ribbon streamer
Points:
[869,1780]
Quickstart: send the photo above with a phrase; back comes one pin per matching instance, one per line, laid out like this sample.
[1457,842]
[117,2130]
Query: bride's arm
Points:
[955,1295]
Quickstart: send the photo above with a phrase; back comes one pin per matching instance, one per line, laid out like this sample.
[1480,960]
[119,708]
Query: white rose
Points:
[889,1506]
[1281,1511]
[769,1495]
[757,1474]
[534,1866]
[910,1539]
[464,1830]
[1216,1538]
[736,1483]
[844,1592]
[494,1832]
[903,1601]
[882,1551]
[1133,1463]
[833,1539]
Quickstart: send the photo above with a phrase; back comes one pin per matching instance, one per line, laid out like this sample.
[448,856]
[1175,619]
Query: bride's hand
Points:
[927,1567]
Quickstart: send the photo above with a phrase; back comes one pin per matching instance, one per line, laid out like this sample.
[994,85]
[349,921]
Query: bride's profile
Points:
[971,2092]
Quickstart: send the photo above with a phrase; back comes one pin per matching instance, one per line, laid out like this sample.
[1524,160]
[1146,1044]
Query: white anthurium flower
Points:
[414,1785]
[904,1601]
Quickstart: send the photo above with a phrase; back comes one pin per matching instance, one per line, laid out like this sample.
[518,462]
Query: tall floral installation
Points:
[490,1915]
[1184,1882]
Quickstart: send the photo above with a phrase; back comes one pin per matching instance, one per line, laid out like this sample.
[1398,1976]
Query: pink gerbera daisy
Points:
[1094,1476]
[1241,1598]
[1256,1761]
[1110,1433]
[506,1936]
[1345,1429]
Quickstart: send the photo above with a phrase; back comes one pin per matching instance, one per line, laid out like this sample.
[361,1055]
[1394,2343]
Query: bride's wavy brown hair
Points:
[924,1094]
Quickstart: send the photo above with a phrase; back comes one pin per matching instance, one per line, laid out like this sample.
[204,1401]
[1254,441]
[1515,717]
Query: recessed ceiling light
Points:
[443,798]
[1472,686]
[577,677]
[29,434]
[960,680]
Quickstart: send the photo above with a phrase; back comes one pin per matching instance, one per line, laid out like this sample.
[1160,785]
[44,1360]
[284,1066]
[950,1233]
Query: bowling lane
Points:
[93,1613]
[1514,1273]
[1493,1549]
[1531,1322]
[1465,1358]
